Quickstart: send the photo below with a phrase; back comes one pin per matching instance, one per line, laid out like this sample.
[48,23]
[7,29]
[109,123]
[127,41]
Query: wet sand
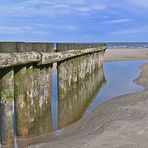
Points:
[121,122]
[124,54]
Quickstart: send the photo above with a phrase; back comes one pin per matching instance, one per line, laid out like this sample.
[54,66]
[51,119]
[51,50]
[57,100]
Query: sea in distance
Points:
[127,44]
[121,44]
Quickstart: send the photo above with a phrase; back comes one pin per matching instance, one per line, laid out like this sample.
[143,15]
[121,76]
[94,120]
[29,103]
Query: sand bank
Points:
[121,122]
[124,54]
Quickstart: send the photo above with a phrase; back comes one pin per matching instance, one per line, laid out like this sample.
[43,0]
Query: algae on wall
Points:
[7,105]
[20,87]
[45,92]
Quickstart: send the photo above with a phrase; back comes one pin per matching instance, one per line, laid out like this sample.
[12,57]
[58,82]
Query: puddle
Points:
[120,77]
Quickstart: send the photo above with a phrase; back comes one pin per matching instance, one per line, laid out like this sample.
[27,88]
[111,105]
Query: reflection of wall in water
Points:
[78,83]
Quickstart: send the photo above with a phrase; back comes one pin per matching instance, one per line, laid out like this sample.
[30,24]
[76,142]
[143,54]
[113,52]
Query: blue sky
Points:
[74,20]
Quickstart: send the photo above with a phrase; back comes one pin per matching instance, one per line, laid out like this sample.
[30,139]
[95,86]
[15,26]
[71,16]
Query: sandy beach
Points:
[121,122]
[124,54]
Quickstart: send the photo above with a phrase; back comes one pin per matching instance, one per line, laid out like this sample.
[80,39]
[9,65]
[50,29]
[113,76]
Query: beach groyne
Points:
[26,79]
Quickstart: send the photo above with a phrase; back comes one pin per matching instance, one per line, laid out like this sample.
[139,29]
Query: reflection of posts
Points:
[7,105]
[75,96]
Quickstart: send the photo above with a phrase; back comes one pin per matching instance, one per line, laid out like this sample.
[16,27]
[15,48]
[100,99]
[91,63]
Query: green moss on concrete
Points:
[20,83]
[7,86]
[7,97]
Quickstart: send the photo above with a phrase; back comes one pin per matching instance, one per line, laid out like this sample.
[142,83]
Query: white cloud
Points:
[50,8]
[65,27]
[17,30]
[118,21]
[143,3]
[142,29]
[37,29]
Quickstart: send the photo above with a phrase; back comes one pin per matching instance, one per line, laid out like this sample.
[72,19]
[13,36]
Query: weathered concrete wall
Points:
[7,105]
[25,79]
[78,68]
[42,126]
[29,88]
[45,89]
[79,79]
[32,95]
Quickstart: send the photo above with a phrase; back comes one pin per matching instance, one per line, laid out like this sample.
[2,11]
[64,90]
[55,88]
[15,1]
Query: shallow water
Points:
[120,78]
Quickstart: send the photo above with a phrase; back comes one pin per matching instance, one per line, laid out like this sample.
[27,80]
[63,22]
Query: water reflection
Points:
[74,98]
[69,102]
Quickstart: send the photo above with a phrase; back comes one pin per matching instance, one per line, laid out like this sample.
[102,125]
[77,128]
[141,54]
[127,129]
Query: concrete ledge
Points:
[48,58]
[14,59]
[76,46]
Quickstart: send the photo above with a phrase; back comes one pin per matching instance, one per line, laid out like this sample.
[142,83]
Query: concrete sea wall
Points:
[26,83]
